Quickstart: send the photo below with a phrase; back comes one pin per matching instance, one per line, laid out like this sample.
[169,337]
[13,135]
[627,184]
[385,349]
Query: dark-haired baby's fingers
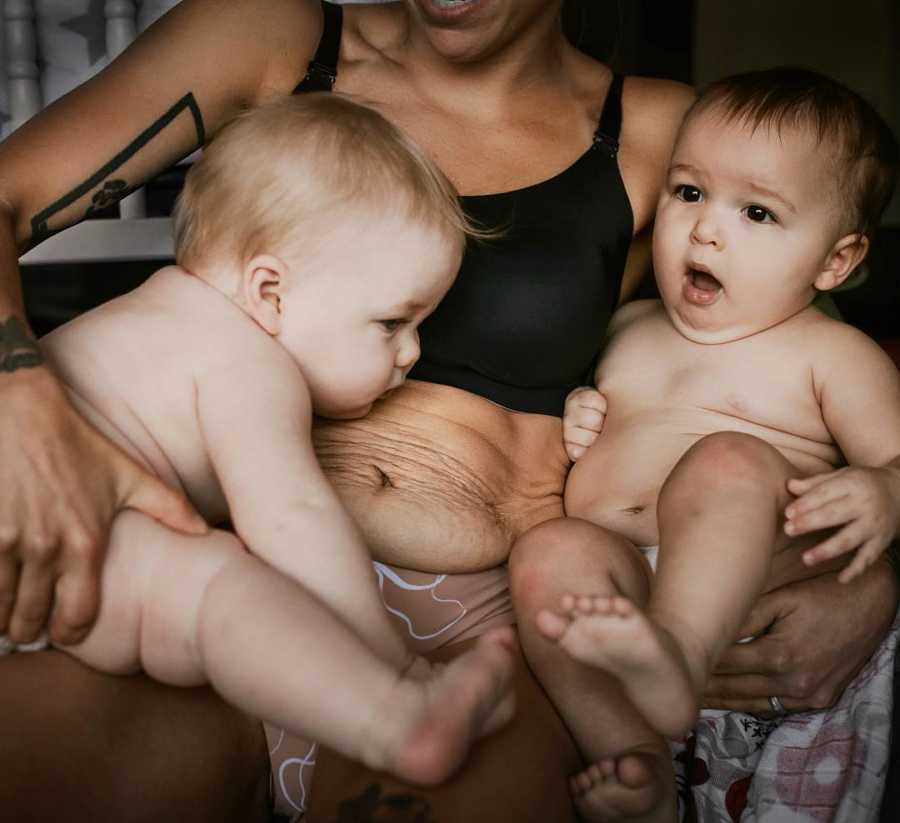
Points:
[842,542]
[866,555]
[801,485]
[828,514]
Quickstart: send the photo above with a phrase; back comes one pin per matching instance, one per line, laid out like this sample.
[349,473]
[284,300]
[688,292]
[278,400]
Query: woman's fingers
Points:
[148,494]
[35,594]
[77,600]
[9,582]
[749,695]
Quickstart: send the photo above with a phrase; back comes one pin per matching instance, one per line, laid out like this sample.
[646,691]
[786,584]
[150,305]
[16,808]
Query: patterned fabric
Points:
[828,767]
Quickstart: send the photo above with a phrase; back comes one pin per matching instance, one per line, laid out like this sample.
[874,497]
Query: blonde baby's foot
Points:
[634,787]
[442,715]
[612,634]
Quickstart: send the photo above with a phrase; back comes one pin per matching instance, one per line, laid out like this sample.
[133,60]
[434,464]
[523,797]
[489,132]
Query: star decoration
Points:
[92,27]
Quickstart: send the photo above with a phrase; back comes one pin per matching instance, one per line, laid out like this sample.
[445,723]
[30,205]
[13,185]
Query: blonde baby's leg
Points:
[195,609]
[720,514]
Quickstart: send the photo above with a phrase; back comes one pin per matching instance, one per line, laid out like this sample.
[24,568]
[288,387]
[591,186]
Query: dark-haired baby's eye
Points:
[758,214]
[688,193]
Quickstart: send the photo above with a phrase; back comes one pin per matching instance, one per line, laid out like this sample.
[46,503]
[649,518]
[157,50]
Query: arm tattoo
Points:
[18,350]
[115,189]
[373,807]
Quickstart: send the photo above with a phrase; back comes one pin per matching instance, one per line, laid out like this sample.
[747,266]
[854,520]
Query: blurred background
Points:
[693,41]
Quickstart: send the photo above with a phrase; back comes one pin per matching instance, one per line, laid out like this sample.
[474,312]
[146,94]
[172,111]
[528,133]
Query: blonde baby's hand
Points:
[582,420]
[863,504]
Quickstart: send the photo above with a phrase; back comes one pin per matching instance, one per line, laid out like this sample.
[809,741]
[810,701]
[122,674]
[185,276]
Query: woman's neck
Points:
[472,70]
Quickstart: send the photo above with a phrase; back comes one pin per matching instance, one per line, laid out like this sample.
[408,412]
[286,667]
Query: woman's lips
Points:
[448,10]
[701,288]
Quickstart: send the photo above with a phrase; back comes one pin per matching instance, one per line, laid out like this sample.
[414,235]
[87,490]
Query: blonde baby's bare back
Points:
[133,365]
[665,392]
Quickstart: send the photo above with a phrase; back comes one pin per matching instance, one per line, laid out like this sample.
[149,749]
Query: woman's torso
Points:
[438,476]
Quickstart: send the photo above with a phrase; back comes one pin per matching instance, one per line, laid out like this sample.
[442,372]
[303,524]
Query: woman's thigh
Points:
[518,774]
[80,745]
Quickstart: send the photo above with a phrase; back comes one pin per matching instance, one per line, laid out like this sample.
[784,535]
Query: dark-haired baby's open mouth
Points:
[701,288]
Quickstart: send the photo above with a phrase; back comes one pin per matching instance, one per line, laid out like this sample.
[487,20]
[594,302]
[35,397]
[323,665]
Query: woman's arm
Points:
[181,80]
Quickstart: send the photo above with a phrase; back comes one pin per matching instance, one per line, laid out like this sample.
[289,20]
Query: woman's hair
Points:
[863,149]
[272,168]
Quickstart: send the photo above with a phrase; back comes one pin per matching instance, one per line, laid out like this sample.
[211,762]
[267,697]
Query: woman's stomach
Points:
[439,479]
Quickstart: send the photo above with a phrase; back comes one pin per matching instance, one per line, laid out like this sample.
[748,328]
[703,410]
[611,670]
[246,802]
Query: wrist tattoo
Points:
[18,350]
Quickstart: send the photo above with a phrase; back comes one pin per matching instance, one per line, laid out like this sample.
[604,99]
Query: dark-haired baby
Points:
[776,182]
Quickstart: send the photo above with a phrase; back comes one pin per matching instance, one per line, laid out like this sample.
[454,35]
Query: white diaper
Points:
[651,553]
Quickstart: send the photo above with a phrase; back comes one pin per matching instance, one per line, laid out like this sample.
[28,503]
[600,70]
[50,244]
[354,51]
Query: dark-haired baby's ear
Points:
[263,283]
[842,261]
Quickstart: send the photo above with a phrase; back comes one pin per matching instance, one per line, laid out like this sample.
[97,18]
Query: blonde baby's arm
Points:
[255,414]
[859,391]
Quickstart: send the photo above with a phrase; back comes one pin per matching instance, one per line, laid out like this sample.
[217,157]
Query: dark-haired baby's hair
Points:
[863,148]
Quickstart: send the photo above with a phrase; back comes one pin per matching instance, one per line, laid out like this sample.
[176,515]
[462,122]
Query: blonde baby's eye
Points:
[759,214]
[688,193]
[392,325]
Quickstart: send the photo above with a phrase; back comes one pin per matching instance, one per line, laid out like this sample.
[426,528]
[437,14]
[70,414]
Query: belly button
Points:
[383,479]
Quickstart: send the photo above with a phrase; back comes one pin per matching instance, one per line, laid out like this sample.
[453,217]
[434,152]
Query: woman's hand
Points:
[818,634]
[61,484]
[583,418]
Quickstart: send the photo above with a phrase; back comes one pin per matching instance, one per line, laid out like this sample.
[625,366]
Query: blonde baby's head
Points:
[333,231]
[777,180]
[275,174]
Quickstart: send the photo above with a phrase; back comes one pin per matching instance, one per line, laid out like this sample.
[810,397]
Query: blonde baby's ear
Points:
[263,283]
[842,260]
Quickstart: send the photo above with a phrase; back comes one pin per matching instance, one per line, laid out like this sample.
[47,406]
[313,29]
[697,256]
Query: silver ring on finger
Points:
[777,706]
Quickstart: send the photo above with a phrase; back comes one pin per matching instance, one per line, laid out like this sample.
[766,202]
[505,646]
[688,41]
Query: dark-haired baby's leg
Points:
[720,514]
[629,773]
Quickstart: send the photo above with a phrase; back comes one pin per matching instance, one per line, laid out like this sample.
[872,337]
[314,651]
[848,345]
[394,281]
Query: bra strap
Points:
[607,134]
[322,70]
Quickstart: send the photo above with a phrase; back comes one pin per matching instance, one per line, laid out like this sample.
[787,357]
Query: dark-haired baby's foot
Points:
[612,634]
[637,787]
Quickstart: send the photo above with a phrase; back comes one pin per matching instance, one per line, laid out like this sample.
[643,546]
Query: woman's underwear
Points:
[430,611]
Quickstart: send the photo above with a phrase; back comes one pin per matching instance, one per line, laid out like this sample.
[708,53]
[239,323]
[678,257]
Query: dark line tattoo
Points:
[373,807]
[18,350]
[114,190]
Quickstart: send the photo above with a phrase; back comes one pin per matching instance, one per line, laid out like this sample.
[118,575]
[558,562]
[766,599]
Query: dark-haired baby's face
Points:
[744,225]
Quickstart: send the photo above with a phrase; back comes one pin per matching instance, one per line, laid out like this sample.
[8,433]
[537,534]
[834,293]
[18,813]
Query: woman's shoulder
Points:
[653,104]
[268,43]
